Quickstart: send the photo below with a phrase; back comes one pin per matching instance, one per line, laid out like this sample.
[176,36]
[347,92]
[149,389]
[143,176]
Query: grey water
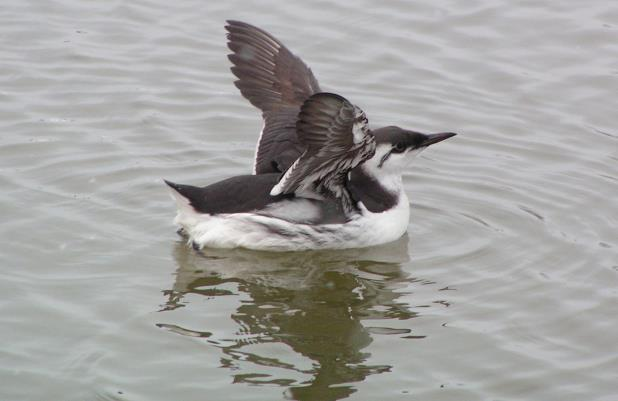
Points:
[505,287]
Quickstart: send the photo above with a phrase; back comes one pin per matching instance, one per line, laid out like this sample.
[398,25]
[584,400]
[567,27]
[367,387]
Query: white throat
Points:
[387,169]
[388,179]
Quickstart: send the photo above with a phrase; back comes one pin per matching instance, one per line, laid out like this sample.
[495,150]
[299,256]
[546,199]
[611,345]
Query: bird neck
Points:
[377,189]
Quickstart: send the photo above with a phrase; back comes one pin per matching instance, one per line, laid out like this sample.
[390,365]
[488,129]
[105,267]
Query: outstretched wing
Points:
[336,139]
[275,81]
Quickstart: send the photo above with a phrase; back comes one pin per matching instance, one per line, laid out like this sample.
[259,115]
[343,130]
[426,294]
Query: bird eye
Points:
[399,147]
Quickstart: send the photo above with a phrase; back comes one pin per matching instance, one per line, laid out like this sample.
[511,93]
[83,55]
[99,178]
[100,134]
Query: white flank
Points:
[258,232]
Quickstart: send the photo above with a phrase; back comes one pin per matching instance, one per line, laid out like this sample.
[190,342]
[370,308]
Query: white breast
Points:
[253,231]
[388,226]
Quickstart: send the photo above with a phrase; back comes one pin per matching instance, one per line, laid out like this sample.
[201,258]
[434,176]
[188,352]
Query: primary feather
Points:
[275,81]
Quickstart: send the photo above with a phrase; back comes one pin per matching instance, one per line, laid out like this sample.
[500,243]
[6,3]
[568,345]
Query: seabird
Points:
[322,179]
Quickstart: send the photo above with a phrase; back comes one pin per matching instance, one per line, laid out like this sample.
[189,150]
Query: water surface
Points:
[505,287]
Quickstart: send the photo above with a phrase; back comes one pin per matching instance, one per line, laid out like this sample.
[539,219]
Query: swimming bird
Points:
[322,179]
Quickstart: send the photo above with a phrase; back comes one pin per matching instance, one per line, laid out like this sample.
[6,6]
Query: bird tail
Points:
[181,194]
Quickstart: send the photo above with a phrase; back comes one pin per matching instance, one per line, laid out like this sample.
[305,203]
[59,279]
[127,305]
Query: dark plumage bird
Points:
[321,177]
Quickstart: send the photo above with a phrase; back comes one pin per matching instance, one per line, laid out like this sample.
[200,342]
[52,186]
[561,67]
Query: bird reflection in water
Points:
[313,303]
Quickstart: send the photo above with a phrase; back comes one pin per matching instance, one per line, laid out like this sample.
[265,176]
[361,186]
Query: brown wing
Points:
[275,81]
[336,139]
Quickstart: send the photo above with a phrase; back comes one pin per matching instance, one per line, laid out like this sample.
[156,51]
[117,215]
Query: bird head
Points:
[397,147]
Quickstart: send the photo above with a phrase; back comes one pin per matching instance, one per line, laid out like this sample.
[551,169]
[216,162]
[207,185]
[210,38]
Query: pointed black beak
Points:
[435,138]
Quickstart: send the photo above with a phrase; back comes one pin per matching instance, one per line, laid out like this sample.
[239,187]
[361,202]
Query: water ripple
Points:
[510,263]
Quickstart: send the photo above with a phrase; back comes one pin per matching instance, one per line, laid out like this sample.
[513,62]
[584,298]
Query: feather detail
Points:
[275,81]
[336,139]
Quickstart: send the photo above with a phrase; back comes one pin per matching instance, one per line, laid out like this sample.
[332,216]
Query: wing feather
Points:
[336,139]
[277,82]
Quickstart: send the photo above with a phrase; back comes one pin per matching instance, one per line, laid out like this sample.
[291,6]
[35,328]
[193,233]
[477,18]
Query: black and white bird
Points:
[322,179]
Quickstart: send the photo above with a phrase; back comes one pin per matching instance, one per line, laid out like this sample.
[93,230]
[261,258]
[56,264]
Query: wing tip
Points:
[235,27]
[231,23]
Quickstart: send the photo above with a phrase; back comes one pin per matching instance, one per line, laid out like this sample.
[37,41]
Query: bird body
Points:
[293,225]
[322,178]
